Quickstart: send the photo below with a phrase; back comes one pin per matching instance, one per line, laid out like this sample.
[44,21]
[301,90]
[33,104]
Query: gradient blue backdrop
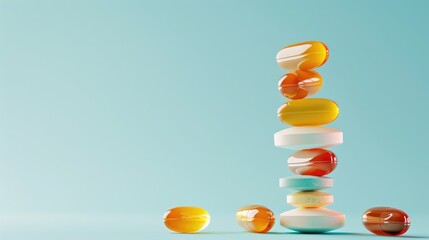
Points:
[112,112]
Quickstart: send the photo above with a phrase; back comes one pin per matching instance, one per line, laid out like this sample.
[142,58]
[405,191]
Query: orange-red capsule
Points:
[386,221]
[315,162]
[300,84]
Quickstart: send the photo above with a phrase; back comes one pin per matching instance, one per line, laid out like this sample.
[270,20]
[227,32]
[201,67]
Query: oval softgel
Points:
[308,112]
[386,221]
[304,55]
[315,162]
[300,84]
[255,218]
[186,219]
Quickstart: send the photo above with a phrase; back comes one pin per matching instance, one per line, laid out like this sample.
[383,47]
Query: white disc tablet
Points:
[308,137]
[312,220]
[310,199]
[306,183]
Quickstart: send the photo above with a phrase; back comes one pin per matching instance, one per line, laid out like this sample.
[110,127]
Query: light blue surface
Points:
[113,112]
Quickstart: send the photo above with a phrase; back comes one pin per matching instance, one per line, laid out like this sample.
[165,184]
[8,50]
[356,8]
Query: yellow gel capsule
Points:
[304,55]
[308,112]
[186,219]
[255,218]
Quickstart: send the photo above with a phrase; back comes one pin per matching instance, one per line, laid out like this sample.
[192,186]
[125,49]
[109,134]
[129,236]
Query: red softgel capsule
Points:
[386,221]
[315,162]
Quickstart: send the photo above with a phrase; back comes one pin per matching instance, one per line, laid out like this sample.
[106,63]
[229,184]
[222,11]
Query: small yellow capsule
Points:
[304,55]
[186,219]
[308,112]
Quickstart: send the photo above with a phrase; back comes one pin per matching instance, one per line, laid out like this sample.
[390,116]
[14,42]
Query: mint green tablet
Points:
[306,183]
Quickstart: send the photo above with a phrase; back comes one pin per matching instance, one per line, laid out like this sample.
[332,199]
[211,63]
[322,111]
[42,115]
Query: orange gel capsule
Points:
[186,219]
[255,218]
[308,112]
[304,55]
[300,84]
[386,221]
[316,162]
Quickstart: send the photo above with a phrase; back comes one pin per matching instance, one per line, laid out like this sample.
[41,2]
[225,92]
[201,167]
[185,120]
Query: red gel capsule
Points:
[386,221]
[315,162]
[300,84]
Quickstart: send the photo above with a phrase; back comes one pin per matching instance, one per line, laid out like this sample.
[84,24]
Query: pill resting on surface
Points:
[300,84]
[315,162]
[312,220]
[308,112]
[304,55]
[186,219]
[306,183]
[255,218]
[308,137]
[386,221]
[310,199]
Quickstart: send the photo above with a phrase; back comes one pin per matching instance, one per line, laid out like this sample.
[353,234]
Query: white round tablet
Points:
[312,220]
[308,137]
[310,199]
[306,183]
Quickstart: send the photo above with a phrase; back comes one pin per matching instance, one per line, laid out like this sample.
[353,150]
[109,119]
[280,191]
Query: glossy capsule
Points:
[308,112]
[304,55]
[386,221]
[186,219]
[255,218]
[315,162]
[300,84]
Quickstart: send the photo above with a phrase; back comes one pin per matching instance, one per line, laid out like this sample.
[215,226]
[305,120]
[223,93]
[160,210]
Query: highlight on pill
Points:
[186,219]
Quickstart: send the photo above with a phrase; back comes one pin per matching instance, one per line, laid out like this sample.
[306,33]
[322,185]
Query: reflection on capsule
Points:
[304,55]
[255,218]
[186,219]
[315,162]
[300,84]
[386,221]
[308,112]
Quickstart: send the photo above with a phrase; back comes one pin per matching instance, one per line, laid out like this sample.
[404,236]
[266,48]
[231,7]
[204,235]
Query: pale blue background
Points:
[112,112]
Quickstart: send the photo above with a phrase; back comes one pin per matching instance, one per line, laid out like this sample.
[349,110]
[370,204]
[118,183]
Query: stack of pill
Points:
[312,162]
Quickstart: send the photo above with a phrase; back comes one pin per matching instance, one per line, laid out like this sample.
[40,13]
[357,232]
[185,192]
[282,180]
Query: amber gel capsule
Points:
[186,219]
[300,84]
[255,218]
[308,112]
[304,55]
[386,221]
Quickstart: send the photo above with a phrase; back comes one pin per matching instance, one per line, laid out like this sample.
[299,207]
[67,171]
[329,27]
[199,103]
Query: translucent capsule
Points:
[186,219]
[304,55]
[315,162]
[308,112]
[255,218]
[386,221]
[300,84]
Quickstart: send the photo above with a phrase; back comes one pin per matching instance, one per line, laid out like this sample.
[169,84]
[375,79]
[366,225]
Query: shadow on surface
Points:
[347,233]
